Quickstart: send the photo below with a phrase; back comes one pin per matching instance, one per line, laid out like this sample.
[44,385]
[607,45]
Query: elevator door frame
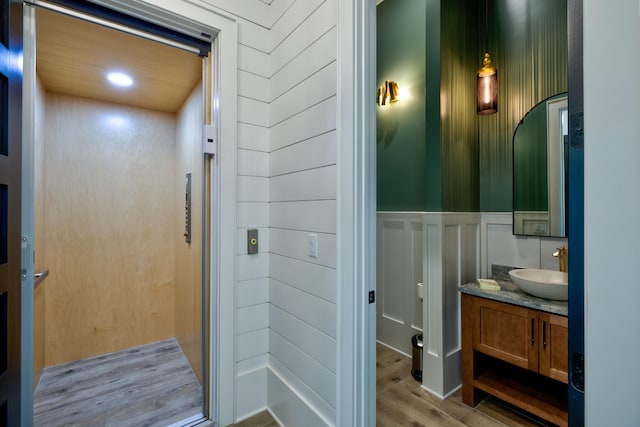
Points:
[221,83]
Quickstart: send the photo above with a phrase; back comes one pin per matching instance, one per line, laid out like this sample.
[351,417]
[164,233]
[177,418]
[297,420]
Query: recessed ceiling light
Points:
[120,79]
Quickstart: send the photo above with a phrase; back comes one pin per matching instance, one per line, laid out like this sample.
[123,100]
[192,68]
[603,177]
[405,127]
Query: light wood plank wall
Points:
[109,200]
[40,260]
[302,188]
[188,256]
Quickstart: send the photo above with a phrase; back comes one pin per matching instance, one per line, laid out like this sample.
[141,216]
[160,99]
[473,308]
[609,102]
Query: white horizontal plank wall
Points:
[399,270]
[451,256]
[501,247]
[252,271]
[301,382]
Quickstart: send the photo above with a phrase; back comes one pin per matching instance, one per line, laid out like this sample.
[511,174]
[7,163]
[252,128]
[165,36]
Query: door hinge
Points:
[24,246]
[372,297]
[577,371]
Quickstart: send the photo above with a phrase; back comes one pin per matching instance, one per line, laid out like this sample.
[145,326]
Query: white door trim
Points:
[356,214]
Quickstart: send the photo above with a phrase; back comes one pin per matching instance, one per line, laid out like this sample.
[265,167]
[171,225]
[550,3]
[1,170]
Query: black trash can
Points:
[416,357]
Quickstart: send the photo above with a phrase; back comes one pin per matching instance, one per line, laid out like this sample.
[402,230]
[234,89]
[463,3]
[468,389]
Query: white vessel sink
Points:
[548,284]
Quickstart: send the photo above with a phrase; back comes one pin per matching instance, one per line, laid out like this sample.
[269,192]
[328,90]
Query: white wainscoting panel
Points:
[457,248]
[399,269]
[500,246]
[451,257]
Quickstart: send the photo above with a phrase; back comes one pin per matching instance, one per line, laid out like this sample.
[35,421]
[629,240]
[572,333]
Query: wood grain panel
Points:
[188,256]
[39,238]
[110,236]
[38,334]
[73,57]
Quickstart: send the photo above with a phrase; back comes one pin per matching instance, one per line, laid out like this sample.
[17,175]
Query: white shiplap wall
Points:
[301,383]
[285,344]
[252,271]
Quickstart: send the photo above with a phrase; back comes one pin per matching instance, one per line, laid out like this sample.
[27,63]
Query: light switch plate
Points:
[313,245]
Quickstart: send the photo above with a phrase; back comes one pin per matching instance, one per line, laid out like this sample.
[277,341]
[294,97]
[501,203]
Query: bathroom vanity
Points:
[515,347]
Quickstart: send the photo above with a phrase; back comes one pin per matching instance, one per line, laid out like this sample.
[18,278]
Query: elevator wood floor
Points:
[150,385]
[400,401]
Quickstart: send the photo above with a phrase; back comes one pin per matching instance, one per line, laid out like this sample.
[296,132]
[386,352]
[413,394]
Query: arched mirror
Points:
[539,170]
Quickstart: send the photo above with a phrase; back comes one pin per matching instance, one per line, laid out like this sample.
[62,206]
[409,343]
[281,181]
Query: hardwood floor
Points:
[400,401]
[150,385]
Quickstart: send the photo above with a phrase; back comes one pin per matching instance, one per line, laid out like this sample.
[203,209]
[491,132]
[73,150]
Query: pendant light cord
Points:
[486,26]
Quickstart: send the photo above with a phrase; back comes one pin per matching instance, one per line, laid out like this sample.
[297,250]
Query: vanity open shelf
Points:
[518,354]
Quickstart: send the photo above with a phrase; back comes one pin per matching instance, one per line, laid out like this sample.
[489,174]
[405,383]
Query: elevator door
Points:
[10,196]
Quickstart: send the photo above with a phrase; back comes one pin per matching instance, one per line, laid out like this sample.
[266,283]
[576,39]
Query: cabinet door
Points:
[554,351]
[507,332]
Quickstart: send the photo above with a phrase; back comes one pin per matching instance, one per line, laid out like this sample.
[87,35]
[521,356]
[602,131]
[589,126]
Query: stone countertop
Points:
[511,294]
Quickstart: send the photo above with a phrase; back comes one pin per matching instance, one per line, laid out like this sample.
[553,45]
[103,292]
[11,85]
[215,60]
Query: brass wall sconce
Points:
[387,93]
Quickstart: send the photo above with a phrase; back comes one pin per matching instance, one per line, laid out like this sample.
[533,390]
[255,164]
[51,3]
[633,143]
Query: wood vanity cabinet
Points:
[517,354]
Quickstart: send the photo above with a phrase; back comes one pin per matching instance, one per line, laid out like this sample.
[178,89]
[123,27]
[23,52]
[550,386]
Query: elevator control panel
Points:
[252,241]
[187,209]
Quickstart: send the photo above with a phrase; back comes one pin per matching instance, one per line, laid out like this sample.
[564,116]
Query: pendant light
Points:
[487,77]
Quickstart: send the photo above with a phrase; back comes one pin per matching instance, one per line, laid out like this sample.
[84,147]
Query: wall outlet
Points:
[313,245]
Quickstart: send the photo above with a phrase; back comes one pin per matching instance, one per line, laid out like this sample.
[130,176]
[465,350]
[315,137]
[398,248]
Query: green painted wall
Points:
[528,45]
[401,152]
[434,153]
[458,118]
[530,154]
[427,149]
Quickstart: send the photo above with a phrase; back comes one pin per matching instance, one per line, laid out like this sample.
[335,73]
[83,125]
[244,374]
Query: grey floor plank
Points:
[150,385]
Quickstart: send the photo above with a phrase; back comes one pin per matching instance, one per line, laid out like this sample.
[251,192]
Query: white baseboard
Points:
[288,407]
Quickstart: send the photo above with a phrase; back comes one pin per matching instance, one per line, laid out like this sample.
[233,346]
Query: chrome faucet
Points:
[561,254]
